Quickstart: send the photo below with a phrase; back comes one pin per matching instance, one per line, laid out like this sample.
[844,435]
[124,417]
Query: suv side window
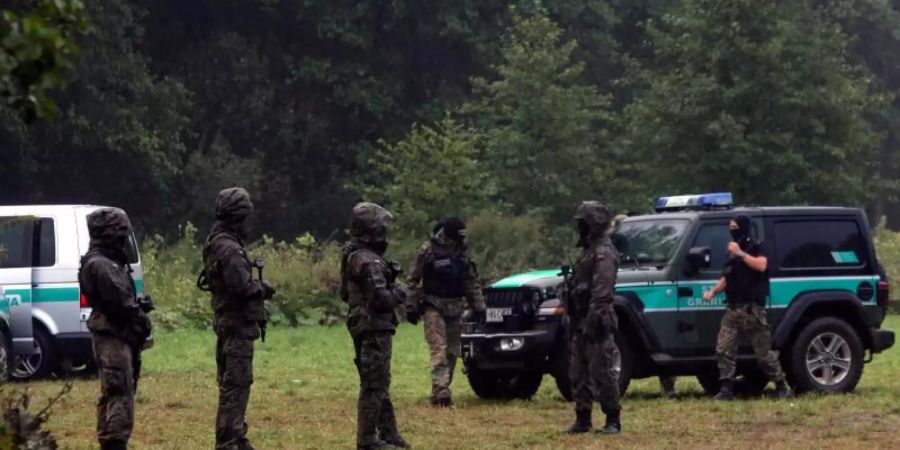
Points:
[820,244]
[16,241]
[715,236]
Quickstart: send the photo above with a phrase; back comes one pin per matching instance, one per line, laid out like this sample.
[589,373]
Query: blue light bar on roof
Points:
[696,201]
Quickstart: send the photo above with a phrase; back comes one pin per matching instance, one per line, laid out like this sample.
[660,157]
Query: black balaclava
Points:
[454,229]
[744,234]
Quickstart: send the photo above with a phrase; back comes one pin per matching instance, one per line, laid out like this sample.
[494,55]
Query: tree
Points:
[544,130]
[433,173]
[36,44]
[756,97]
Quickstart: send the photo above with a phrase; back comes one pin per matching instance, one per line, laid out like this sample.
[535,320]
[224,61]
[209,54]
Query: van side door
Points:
[16,283]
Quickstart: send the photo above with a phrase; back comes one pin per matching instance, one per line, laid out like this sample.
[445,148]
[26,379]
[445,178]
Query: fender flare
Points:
[629,309]
[804,301]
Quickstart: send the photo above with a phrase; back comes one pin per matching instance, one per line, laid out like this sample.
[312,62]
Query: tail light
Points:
[83,301]
[884,294]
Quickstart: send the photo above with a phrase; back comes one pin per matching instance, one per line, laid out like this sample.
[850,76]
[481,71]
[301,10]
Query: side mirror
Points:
[259,262]
[698,258]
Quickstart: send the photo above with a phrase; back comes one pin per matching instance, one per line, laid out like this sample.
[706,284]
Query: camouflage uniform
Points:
[746,290]
[118,325]
[593,321]
[444,281]
[372,318]
[238,303]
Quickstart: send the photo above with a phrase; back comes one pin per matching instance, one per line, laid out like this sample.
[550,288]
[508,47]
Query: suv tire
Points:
[504,384]
[827,356]
[39,365]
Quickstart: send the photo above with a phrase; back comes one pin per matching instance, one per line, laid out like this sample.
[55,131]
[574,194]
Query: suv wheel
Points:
[827,356]
[504,384]
[38,365]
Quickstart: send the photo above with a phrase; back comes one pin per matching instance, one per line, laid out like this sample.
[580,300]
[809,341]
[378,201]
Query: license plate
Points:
[496,314]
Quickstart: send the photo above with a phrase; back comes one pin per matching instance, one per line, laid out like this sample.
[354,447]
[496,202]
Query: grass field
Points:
[305,397]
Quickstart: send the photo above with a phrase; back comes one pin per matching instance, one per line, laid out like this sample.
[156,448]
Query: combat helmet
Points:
[369,223]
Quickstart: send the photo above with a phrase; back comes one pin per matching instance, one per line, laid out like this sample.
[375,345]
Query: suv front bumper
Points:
[881,339]
[517,350]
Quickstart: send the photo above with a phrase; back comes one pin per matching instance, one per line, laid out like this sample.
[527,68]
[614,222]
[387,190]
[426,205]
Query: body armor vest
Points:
[445,276]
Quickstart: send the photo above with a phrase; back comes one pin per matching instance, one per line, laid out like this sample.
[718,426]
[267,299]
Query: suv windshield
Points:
[649,242]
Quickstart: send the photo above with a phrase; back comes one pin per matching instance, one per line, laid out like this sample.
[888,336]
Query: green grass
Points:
[305,392]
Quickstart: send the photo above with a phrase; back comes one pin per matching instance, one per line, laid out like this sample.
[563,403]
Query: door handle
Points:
[685,292]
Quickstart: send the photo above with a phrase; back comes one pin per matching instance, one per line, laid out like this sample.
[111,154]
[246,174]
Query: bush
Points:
[305,274]
[887,247]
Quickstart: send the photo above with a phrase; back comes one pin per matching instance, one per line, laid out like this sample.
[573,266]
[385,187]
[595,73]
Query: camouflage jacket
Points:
[424,264]
[109,288]
[237,298]
[595,280]
[372,299]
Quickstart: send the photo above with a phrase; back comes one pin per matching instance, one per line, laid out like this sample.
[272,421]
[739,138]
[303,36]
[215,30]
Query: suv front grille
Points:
[519,301]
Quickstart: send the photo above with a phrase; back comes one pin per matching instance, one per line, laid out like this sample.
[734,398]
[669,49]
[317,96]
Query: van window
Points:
[131,250]
[16,241]
[46,245]
[820,244]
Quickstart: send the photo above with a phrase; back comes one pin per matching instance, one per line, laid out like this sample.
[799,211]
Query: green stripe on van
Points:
[55,294]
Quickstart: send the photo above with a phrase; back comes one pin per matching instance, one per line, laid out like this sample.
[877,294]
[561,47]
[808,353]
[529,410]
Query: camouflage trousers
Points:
[234,363]
[748,320]
[115,409]
[592,372]
[443,337]
[375,412]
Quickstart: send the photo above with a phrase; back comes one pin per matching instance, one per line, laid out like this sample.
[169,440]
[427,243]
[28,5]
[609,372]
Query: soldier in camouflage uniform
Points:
[443,281]
[238,303]
[119,324]
[746,285]
[368,287]
[593,321]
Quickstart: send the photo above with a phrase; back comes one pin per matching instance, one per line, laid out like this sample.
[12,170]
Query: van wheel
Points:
[40,364]
[5,356]
[827,356]
[503,384]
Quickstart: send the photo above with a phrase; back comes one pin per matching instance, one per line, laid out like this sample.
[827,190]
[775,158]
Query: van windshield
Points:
[649,242]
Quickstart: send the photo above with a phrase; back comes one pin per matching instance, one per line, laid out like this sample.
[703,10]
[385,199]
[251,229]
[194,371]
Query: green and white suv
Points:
[826,303]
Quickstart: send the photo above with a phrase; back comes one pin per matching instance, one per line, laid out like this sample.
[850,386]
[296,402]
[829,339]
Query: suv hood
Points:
[552,278]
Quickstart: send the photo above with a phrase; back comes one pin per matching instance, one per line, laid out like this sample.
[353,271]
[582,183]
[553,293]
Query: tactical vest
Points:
[445,276]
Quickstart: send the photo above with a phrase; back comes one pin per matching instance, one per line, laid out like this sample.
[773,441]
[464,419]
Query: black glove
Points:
[145,302]
[268,290]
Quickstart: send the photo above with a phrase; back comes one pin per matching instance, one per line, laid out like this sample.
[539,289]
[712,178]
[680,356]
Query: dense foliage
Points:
[505,113]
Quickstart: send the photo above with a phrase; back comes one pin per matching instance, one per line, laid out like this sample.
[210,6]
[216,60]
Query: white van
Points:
[42,313]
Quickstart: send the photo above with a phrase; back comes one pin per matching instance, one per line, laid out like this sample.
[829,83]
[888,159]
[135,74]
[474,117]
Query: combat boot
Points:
[726,392]
[377,445]
[613,424]
[395,440]
[113,445]
[782,390]
[442,402]
[582,423]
